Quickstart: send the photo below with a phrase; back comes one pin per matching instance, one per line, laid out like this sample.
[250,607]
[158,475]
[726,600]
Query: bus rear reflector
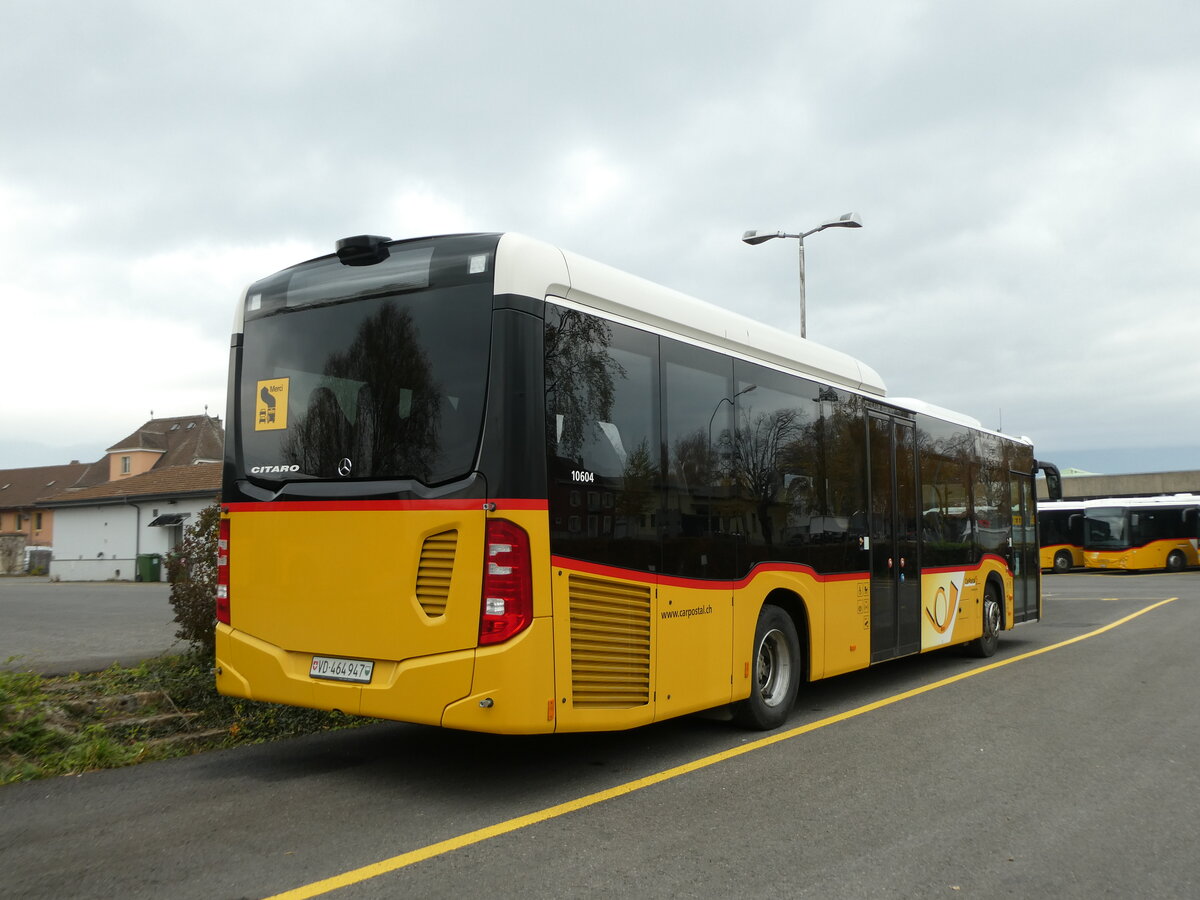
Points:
[507,607]
[223,571]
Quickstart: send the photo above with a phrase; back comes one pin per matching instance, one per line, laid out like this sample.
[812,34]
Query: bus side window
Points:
[602,440]
[700,520]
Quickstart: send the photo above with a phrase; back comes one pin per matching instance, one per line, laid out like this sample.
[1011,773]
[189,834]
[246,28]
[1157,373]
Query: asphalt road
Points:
[62,627]
[1068,770]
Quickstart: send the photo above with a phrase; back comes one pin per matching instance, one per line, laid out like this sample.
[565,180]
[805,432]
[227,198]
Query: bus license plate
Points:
[332,668]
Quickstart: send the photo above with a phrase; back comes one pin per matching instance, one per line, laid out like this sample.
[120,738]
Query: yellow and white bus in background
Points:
[1060,535]
[479,482]
[1142,533]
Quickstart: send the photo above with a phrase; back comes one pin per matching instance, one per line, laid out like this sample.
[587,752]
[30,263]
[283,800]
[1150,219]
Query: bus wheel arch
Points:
[777,662]
[993,619]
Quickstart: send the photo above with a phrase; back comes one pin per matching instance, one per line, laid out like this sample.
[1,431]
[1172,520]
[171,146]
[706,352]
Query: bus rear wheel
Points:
[775,672]
[1175,561]
[985,645]
[1062,562]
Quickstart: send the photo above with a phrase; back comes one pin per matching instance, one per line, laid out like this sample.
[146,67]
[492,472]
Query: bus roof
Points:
[533,268]
[536,269]
[1167,500]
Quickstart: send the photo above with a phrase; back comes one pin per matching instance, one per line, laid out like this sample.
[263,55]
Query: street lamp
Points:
[849,220]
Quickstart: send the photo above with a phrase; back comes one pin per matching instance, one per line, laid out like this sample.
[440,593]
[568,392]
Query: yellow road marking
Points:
[365,873]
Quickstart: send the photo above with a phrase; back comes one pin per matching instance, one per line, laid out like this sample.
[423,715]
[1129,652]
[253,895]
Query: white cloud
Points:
[1025,172]
[421,210]
[589,184]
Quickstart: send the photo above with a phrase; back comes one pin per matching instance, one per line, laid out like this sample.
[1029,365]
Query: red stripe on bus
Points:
[713,584]
[502,505]
[716,584]
[973,567]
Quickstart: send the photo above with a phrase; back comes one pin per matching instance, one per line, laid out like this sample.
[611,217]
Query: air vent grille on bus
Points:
[610,643]
[434,571]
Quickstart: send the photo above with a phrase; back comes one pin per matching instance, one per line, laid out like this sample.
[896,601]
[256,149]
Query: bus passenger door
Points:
[894,532]
[1023,548]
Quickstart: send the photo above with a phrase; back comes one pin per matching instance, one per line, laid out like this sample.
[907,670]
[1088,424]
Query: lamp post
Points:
[848,220]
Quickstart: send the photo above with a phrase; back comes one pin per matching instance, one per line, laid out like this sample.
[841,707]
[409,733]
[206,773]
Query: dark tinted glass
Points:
[993,517]
[842,487]
[777,468]
[382,387]
[702,520]
[602,440]
[1172,523]
[1060,526]
[800,470]
[409,266]
[1106,528]
[946,453]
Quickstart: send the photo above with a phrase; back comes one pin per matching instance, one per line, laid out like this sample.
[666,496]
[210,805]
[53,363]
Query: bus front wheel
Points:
[1062,562]
[985,645]
[1175,561]
[775,672]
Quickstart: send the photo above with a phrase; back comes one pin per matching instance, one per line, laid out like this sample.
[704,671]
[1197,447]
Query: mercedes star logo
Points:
[345,466]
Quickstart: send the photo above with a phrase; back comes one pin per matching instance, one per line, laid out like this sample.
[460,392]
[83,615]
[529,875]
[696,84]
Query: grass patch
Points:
[33,744]
[165,707]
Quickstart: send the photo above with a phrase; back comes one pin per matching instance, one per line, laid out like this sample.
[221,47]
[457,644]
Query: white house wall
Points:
[102,543]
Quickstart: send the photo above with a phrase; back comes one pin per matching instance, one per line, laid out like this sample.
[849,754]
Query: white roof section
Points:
[534,269]
[949,415]
[1167,500]
[938,412]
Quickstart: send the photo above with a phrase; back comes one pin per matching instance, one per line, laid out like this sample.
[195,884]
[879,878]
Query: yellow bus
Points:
[1060,535]
[1142,533]
[479,482]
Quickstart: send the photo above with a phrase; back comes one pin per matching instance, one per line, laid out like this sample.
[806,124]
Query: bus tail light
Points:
[223,571]
[507,607]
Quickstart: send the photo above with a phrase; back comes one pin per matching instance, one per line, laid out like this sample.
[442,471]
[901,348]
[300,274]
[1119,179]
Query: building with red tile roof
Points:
[21,489]
[123,513]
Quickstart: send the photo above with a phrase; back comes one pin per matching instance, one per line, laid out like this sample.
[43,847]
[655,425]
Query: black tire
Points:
[775,672]
[1062,562]
[985,645]
[1176,561]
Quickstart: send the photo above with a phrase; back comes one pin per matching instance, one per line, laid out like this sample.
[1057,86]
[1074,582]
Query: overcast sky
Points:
[1028,174]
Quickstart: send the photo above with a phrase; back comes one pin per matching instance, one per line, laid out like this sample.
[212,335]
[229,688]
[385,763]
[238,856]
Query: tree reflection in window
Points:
[946,453]
[797,462]
[580,374]
[765,444]
[376,403]
[602,439]
[638,497]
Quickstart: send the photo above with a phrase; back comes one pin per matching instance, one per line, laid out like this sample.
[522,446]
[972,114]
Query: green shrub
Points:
[192,571]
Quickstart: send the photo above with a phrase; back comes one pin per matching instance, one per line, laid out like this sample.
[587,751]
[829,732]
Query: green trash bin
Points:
[149,567]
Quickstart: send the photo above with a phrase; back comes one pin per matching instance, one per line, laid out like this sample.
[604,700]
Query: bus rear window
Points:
[386,387]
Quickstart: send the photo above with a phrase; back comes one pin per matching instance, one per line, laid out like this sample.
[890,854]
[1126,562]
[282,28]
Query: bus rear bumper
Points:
[513,688]
[506,689]
[416,690]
